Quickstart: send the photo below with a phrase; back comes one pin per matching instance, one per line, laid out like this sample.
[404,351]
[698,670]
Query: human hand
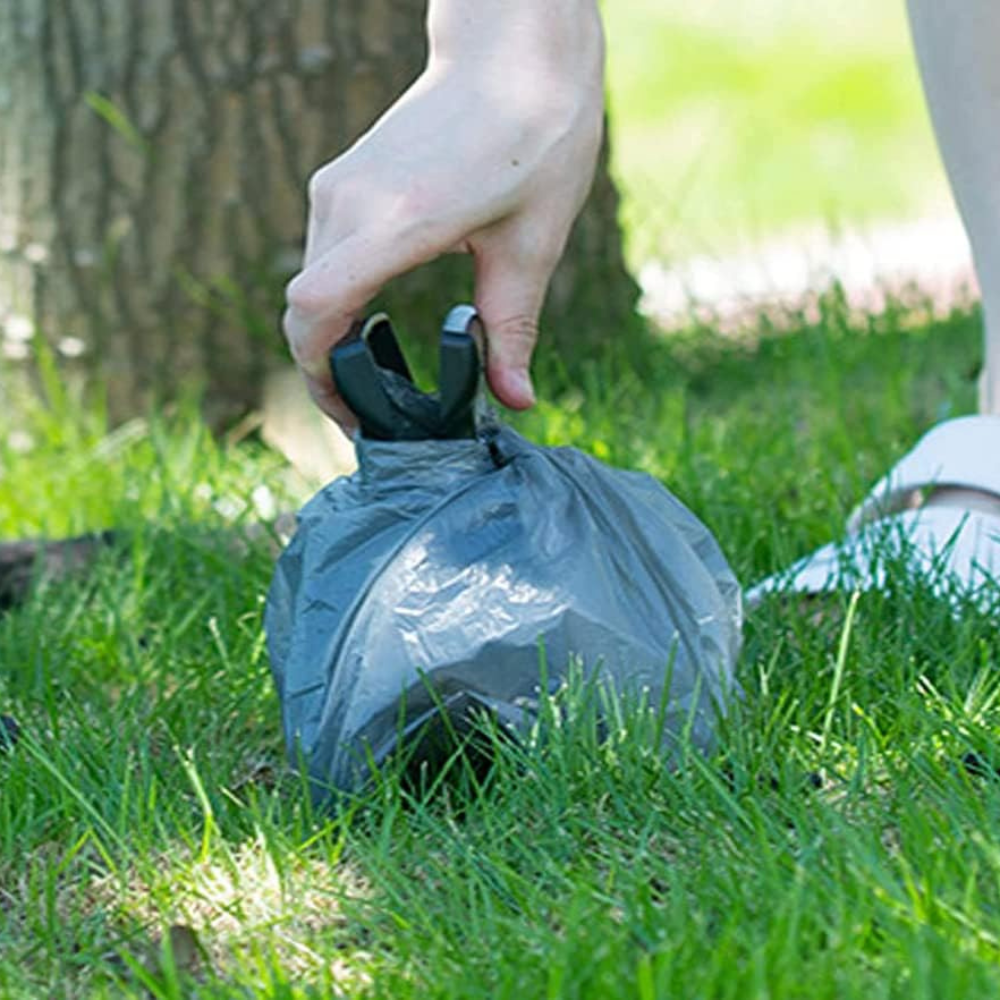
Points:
[491,152]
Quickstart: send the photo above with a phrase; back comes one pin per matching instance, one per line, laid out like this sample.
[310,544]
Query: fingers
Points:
[510,292]
[325,299]
[507,192]
[510,346]
[329,401]
[327,296]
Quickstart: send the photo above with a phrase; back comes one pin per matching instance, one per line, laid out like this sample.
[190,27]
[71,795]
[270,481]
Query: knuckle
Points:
[302,295]
[321,183]
[334,193]
[519,332]
[411,209]
[415,205]
[418,214]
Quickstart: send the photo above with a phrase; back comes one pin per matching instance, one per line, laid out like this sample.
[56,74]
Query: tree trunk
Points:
[153,164]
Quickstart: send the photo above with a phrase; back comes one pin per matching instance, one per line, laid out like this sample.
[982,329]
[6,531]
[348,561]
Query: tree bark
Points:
[153,165]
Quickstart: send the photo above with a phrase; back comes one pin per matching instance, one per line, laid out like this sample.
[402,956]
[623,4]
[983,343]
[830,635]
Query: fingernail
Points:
[521,382]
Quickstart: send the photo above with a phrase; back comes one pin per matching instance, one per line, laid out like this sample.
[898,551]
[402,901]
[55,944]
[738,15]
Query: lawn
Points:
[841,843]
[731,120]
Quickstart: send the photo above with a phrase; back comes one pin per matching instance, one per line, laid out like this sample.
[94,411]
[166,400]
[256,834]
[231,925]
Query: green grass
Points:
[152,843]
[733,120]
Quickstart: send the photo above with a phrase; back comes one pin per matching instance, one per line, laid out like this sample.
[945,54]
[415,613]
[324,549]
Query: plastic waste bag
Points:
[430,579]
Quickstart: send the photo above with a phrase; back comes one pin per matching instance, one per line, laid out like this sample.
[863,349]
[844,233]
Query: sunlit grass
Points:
[839,844]
[733,120]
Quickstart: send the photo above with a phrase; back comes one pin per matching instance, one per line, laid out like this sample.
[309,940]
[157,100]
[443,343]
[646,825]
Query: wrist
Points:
[558,42]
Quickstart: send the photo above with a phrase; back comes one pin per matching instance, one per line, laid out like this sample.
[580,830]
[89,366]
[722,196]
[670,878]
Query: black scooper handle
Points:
[356,374]
[360,364]
[460,371]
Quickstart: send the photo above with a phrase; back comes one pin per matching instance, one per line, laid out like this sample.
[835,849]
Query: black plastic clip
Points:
[373,378]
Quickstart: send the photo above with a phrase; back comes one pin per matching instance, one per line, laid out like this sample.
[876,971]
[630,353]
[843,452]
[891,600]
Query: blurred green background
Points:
[734,121]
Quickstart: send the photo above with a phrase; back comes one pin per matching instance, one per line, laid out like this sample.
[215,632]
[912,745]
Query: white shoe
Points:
[936,515]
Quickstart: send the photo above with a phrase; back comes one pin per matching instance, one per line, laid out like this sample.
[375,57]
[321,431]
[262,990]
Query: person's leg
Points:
[958,49]
[950,536]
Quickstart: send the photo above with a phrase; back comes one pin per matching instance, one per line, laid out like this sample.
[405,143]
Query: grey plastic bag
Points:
[431,578]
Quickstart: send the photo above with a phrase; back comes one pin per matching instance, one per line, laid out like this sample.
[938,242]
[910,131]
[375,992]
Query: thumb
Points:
[509,302]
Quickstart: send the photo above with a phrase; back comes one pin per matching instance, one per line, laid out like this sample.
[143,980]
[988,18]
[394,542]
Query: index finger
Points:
[327,296]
